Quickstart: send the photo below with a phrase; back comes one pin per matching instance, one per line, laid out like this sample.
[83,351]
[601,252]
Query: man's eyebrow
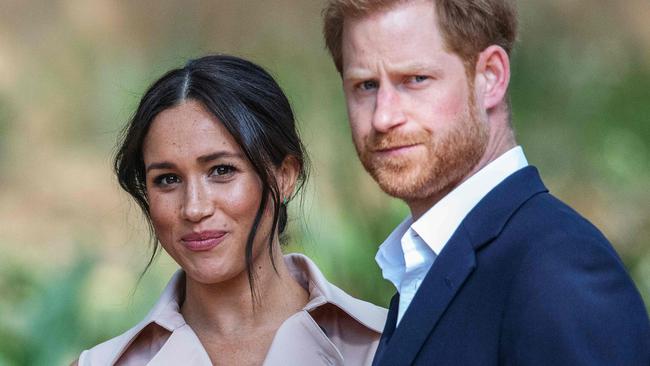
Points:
[164,165]
[357,73]
[420,67]
[362,73]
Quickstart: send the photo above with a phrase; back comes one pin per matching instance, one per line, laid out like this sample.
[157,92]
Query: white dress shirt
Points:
[409,251]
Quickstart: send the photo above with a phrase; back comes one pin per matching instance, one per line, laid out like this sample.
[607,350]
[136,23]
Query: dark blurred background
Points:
[71,72]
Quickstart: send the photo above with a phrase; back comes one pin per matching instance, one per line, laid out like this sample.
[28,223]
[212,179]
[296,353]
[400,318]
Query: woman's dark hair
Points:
[249,104]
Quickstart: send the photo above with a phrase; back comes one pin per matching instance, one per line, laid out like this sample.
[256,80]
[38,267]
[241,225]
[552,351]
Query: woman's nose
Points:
[196,204]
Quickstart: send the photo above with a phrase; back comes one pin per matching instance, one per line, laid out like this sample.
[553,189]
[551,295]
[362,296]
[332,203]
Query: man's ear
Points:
[492,76]
[287,176]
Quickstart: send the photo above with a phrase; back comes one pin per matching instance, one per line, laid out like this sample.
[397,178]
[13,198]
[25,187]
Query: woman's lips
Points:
[203,241]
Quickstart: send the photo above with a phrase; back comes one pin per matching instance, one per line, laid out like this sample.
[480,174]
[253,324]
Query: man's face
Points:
[411,106]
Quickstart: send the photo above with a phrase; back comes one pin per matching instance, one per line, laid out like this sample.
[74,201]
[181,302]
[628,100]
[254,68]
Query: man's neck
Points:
[499,143]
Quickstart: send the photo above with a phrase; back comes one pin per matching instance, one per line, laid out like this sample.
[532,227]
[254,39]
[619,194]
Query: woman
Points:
[212,156]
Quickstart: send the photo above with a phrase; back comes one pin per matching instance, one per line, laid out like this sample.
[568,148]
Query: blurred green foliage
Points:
[71,73]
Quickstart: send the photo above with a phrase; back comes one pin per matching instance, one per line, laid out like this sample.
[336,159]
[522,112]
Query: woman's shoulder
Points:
[107,352]
[153,330]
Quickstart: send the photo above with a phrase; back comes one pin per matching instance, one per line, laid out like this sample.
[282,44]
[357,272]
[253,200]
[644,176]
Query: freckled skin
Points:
[198,200]
[189,193]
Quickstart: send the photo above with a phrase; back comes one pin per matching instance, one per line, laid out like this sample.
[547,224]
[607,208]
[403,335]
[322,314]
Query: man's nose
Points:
[388,109]
[197,204]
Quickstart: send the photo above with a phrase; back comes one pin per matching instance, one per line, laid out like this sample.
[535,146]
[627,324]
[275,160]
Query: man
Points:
[490,268]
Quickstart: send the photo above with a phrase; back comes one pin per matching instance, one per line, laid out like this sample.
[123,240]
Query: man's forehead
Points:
[403,35]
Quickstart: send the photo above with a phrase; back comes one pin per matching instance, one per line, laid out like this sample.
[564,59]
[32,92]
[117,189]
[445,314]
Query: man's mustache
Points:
[392,140]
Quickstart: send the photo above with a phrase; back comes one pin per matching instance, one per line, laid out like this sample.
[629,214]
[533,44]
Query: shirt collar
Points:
[390,256]
[166,311]
[438,224]
[322,292]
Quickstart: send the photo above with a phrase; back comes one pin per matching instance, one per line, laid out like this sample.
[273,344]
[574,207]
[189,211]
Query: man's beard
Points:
[450,156]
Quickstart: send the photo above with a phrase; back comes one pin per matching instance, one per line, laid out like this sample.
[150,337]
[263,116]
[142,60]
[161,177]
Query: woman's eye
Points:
[166,180]
[222,170]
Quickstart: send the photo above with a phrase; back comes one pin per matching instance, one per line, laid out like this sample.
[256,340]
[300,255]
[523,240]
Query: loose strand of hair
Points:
[250,242]
[274,226]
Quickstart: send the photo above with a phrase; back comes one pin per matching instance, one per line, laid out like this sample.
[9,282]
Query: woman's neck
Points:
[227,309]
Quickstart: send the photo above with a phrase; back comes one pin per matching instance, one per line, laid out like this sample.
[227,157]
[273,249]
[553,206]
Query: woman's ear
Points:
[492,76]
[287,176]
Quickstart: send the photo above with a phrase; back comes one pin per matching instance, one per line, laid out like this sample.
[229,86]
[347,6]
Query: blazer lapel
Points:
[389,329]
[448,273]
[453,266]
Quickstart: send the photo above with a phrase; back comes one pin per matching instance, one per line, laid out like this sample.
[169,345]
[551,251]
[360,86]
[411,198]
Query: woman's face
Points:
[203,193]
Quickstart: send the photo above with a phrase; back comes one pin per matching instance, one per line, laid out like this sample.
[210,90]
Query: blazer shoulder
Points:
[569,282]
[549,224]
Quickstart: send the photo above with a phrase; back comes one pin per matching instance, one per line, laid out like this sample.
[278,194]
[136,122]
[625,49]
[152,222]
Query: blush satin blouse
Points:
[334,328]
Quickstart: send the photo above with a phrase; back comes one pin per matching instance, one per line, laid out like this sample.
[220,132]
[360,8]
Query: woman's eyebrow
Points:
[217,155]
[164,165]
[203,159]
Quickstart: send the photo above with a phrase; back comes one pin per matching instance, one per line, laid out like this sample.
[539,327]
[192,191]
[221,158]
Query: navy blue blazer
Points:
[524,280]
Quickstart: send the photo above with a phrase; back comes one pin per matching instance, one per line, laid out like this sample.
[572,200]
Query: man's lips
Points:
[395,149]
[203,241]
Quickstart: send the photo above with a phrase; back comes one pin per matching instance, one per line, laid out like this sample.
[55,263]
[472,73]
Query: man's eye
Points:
[368,85]
[166,180]
[419,78]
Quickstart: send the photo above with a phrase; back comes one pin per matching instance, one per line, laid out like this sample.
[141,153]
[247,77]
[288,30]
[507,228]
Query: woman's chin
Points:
[210,274]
